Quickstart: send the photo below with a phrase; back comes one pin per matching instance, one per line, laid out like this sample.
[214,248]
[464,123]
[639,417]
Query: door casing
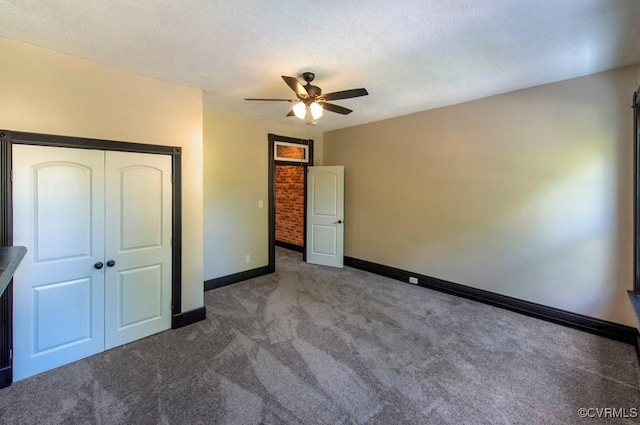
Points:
[7,139]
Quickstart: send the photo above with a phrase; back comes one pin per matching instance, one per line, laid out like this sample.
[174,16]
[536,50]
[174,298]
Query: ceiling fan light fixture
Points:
[311,103]
[316,110]
[300,109]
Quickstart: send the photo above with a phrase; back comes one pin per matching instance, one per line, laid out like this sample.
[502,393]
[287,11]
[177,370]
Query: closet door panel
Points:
[138,241]
[58,196]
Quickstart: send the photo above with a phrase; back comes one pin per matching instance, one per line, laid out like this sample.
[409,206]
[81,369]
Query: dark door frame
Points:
[272,193]
[636,192]
[9,138]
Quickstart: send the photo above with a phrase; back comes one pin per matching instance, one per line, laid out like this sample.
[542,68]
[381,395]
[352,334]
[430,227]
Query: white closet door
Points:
[138,240]
[58,311]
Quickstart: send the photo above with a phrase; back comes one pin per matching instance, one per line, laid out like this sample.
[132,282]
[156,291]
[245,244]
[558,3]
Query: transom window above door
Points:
[291,152]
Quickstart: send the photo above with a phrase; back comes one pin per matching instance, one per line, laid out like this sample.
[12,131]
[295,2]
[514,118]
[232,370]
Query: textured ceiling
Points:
[411,55]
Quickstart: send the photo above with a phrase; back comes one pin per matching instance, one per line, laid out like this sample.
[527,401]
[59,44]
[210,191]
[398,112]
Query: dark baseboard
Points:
[188,317]
[592,325]
[290,246]
[236,277]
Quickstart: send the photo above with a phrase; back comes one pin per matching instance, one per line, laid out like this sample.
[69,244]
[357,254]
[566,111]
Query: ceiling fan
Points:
[310,101]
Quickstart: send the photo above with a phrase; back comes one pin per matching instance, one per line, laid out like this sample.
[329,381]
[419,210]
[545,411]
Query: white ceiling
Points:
[411,55]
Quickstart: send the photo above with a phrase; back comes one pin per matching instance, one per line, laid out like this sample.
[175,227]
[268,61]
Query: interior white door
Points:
[58,311]
[325,215]
[138,241]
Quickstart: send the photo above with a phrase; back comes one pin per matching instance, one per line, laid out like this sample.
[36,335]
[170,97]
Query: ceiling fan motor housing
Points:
[313,91]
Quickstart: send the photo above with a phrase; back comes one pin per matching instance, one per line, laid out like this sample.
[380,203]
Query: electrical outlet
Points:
[413,280]
[247,258]
[260,204]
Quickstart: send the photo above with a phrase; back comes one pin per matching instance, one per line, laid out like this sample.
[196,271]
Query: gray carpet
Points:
[314,345]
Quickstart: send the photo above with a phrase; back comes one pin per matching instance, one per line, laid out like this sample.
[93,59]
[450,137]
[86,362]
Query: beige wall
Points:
[527,194]
[235,180]
[43,91]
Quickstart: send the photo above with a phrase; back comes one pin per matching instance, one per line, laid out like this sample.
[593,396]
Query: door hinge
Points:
[10,353]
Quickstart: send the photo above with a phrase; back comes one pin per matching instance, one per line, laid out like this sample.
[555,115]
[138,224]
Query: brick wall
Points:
[290,204]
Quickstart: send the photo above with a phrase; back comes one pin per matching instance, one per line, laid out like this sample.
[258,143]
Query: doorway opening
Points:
[289,186]
[288,161]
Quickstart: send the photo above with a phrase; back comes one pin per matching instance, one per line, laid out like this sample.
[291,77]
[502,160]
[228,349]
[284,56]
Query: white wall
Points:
[527,194]
[43,91]
[235,179]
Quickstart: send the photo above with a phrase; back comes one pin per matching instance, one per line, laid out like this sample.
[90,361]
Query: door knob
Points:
[111,263]
[338,222]
[98,265]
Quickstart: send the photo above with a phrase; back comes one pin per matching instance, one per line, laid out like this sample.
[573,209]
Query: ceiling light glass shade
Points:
[316,110]
[300,109]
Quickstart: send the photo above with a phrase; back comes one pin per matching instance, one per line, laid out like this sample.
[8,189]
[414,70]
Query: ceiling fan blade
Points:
[346,94]
[296,86]
[335,108]
[274,100]
[291,114]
